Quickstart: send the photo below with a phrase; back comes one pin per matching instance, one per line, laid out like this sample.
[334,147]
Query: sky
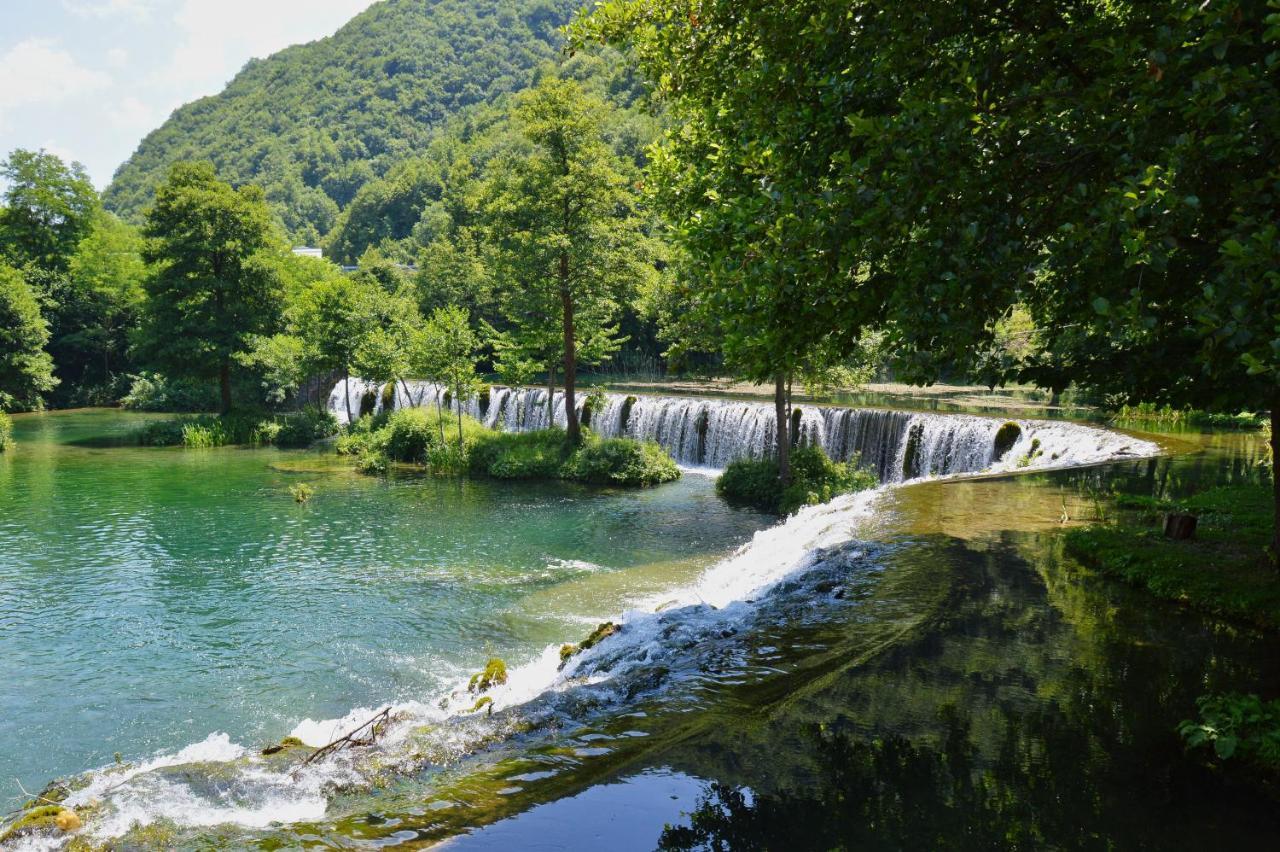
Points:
[87,79]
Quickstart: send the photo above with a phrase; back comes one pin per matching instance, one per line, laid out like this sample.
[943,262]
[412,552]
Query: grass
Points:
[814,479]
[1226,570]
[1168,416]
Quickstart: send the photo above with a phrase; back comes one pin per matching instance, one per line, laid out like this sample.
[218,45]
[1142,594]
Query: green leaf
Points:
[1225,746]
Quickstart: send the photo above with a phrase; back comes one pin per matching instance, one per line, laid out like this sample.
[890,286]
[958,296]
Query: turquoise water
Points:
[150,597]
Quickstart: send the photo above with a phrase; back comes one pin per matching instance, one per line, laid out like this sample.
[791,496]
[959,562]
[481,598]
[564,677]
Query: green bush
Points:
[814,479]
[303,428]
[6,431]
[160,433]
[1242,726]
[411,433]
[620,461]
[520,455]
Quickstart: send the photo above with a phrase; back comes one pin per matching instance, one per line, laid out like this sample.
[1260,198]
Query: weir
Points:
[711,433]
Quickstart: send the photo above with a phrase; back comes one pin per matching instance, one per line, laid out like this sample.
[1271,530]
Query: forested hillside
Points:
[315,122]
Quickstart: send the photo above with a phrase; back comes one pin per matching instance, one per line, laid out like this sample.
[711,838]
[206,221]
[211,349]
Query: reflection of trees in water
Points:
[1039,712]
[1044,789]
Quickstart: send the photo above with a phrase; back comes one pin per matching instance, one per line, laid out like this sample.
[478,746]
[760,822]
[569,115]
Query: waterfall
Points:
[711,433]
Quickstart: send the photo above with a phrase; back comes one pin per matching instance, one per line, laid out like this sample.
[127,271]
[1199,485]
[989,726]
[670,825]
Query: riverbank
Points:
[1226,570]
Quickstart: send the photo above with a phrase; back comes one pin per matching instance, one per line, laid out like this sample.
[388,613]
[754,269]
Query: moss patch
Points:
[1225,571]
[602,632]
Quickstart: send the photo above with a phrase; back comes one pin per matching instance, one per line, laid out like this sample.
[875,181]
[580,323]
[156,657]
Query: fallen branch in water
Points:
[353,738]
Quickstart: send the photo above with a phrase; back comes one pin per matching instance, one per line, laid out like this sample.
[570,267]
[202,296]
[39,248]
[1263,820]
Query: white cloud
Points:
[134,115]
[39,71]
[139,9]
[117,57]
[216,39]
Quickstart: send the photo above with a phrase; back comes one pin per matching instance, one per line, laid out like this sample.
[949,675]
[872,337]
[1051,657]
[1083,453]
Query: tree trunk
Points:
[574,433]
[1275,480]
[551,395]
[440,412]
[457,397]
[346,393]
[224,385]
[783,442]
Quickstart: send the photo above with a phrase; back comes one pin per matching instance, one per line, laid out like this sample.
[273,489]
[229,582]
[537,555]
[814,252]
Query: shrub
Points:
[6,431]
[305,427]
[1242,726]
[814,479]
[411,433]
[520,455]
[301,492]
[620,461]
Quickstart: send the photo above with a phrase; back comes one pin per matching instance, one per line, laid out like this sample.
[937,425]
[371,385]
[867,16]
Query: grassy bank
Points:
[6,431]
[423,438]
[1226,570]
[296,429]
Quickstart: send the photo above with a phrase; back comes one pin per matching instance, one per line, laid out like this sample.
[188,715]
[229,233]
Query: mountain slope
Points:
[315,122]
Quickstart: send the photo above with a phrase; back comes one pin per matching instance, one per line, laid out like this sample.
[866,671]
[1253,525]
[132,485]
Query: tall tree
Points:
[563,220]
[98,303]
[453,346]
[49,208]
[213,290]
[1111,166]
[26,370]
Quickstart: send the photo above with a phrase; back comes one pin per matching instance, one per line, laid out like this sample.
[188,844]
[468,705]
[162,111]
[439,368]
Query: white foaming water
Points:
[708,434]
[242,788]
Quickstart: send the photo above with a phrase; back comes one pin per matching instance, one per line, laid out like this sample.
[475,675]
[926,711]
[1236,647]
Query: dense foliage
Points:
[314,123]
[298,429]
[814,479]
[6,431]
[26,370]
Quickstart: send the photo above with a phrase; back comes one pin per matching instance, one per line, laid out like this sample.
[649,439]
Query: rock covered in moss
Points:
[602,632]
[1006,437]
[494,674]
[45,819]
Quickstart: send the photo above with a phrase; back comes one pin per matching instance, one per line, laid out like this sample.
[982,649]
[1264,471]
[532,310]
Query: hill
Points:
[314,123]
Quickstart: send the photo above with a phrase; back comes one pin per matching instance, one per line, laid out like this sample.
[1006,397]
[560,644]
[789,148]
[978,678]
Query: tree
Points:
[568,242]
[213,288]
[49,208]
[26,370]
[349,322]
[453,345]
[97,303]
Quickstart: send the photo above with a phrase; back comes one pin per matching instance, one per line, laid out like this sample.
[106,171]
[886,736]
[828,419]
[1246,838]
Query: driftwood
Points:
[365,735]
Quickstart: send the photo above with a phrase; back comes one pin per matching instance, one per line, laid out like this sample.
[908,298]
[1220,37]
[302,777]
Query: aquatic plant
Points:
[43,819]
[301,492]
[814,479]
